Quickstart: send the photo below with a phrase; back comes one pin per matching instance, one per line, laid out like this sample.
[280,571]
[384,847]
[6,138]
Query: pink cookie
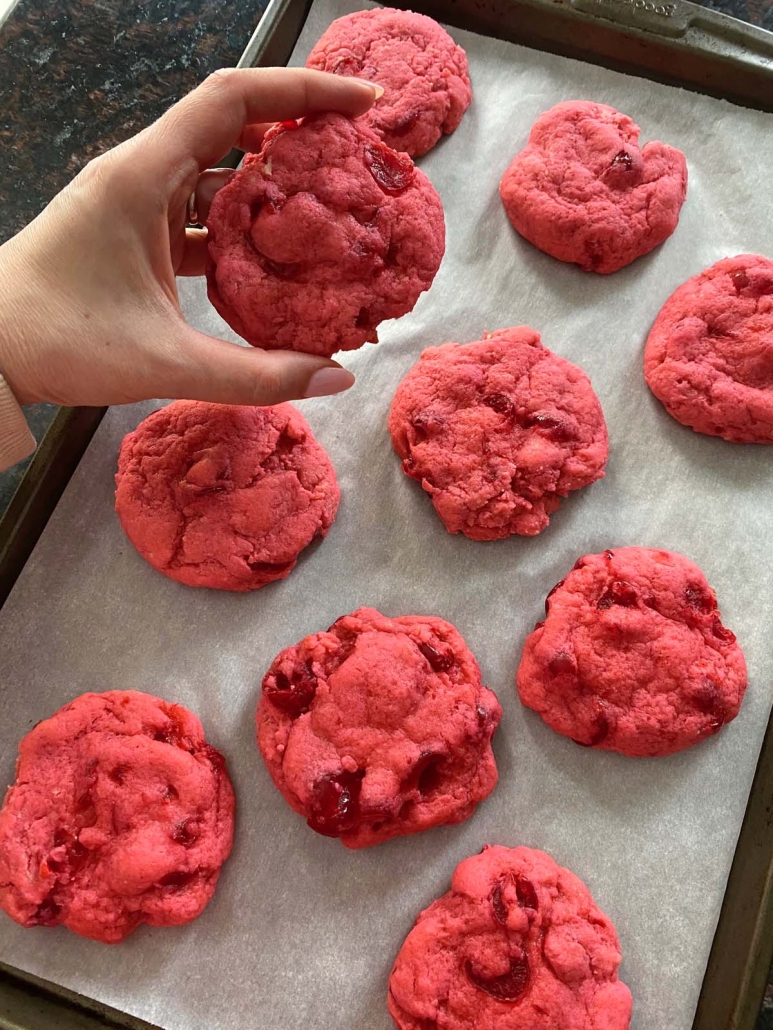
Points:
[632,655]
[215,495]
[709,355]
[516,944]
[497,432]
[320,237]
[423,72]
[378,727]
[583,191]
[121,814]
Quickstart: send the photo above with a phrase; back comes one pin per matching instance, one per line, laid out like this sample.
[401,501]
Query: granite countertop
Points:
[82,75]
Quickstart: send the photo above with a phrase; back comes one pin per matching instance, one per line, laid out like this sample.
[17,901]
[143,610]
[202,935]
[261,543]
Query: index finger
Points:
[206,123]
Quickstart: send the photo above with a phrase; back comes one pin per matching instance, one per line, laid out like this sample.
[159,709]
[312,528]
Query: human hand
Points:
[88,300]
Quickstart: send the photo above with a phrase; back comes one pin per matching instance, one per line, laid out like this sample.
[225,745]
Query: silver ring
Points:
[193,214]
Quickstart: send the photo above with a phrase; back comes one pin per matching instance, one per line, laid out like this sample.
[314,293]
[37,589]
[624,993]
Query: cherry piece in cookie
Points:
[320,237]
[224,496]
[497,432]
[517,944]
[423,73]
[121,814]
[583,191]
[632,655]
[709,355]
[378,728]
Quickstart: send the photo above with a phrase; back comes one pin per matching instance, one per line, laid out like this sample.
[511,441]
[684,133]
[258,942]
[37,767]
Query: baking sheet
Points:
[301,932]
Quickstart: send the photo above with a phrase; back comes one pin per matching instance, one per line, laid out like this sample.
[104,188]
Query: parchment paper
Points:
[301,932]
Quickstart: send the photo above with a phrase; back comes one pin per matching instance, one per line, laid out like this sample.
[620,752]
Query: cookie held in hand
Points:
[320,237]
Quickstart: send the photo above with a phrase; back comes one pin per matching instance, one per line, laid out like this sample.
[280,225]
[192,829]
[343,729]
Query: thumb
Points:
[227,373]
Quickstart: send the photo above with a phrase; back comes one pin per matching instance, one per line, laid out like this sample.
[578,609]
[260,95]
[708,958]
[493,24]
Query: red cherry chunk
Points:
[176,880]
[345,66]
[500,403]
[722,632]
[426,423]
[498,902]
[47,914]
[510,986]
[706,698]
[393,172]
[599,734]
[438,661]
[426,775]
[525,892]
[336,804]
[740,280]
[75,857]
[552,426]
[619,593]
[280,269]
[562,664]
[560,583]
[293,696]
[185,833]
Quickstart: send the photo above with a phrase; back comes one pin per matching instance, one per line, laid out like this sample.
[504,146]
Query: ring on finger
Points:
[192,214]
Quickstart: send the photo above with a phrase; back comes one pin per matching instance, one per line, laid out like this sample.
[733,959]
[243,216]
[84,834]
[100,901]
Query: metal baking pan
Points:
[671,41]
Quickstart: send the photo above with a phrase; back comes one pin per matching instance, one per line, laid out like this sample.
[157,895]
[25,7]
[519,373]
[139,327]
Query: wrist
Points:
[22,304]
[16,439]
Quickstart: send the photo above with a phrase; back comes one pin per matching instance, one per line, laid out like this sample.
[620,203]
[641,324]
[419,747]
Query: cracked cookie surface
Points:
[224,496]
[424,74]
[121,814]
[320,237]
[497,431]
[518,943]
[582,190]
[709,354]
[378,727]
[633,656]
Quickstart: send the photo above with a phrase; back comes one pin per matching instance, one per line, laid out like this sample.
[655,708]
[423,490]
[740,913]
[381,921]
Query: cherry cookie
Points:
[516,944]
[224,496]
[709,355]
[423,73]
[378,727]
[583,191]
[632,655]
[320,237]
[497,432]
[121,814]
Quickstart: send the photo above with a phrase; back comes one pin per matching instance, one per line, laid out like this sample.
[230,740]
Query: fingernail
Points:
[327,381]
[378,90]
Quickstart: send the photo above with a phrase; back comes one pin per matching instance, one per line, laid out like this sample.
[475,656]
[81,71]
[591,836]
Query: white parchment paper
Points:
[301,932]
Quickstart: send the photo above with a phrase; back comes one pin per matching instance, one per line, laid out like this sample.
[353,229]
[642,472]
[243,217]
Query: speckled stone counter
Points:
[79,76]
